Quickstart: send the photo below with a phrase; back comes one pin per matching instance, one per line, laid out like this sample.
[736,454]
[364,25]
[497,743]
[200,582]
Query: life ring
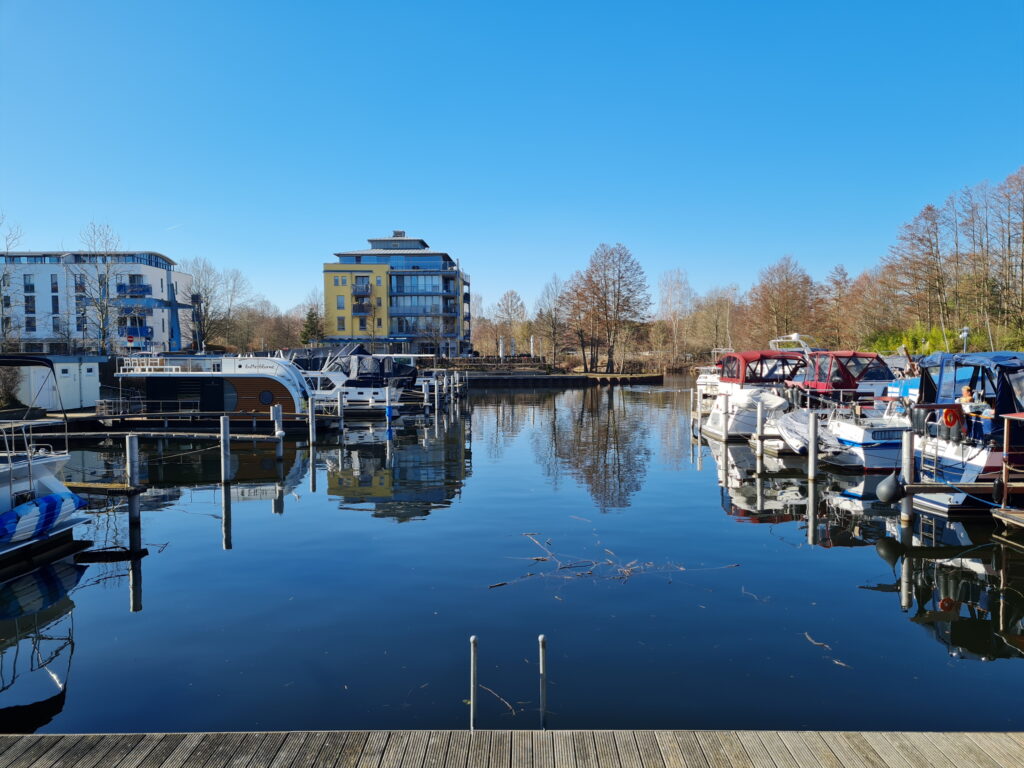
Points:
[951,417]
[946,604]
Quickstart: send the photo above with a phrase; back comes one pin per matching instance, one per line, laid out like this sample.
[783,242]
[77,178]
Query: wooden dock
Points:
[517,749]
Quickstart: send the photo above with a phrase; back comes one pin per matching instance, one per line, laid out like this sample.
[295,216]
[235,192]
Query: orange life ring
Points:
[946,604]
[951,417]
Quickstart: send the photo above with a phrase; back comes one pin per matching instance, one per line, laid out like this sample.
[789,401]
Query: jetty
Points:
[536,379]
[516,749]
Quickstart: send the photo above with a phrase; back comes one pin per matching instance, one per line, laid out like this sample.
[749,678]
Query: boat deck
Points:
[515,749]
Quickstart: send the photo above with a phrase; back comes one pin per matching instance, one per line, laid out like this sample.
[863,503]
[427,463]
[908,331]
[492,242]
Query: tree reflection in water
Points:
[599,437]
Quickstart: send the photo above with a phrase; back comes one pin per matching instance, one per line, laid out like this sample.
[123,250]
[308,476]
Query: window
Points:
[55,304]
[88,369]
[30,305]
[79,283]
[380,322]
[30,324]
[161,285]
[378,281]
[80,323]
[378,301]
[340,302]
[7,302]
[53,284]
[163,324]
[344,280]
[7,324]
[341,323]
[336,281]
[30,282]
[56,323]
[362,323]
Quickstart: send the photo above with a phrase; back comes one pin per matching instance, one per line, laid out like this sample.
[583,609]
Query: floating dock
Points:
[560,380]
[517,749]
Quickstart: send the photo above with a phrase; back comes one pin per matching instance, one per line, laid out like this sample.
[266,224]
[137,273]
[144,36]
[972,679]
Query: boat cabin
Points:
[846,371]
[759,368]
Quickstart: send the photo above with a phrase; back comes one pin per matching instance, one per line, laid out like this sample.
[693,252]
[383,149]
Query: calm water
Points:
[667,600]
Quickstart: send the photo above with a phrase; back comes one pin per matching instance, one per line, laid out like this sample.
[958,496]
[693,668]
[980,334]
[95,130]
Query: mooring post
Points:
[812,511]
[425,386]
[341,408]
[387,405]
[225,449]
[812,447]
[225,518]
[277,417]
[725,416]
[759,436]
[311,411]
[135,550]
[437,394]
[472,682]
[909,475]
[131,445]
[542,655]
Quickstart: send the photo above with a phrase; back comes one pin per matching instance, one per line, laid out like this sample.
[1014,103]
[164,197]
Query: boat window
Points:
[837,377]
[730,368]
[64,372]
[266,397]
[89,369]
[947,381]
[230,396]
[1017,382]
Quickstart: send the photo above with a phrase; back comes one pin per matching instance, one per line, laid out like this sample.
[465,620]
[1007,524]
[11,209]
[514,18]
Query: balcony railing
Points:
[362,289]
[134,289]
[424,291]
[136,331]
[362,308]
[435,309]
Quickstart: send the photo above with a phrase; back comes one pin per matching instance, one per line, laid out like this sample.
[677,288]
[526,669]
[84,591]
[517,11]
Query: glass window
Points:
[336,281]
[340,302]
[30,305]
[55,304]
[56,323]
[29,282]
[344,280]
[341,323]
[30,324]
[80,323]
[378,301]
[362,323]
[379,280]
[7,302]
[380,322]
[53,284]
[79,283]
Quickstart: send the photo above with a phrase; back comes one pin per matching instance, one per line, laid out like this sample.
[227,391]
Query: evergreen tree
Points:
[312,327]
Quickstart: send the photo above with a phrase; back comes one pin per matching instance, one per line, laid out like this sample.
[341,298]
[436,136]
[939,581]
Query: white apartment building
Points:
[62,302]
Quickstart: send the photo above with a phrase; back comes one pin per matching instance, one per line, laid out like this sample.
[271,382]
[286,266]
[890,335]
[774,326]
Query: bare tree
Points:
[218,294]
[549,316]
[9,326]
[95,279]
[616,286]
[675,307]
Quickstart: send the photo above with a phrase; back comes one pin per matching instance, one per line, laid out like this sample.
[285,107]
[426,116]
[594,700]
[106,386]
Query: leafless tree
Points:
[549,316]
[616,286]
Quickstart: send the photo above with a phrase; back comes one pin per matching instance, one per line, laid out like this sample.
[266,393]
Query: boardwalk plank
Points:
[310,749]
[650,751]
[918,755]
[565,751]
[97,755]
[853,749]
[37,753]
[690,750]
[522,749]
[712,748]
[373,750]
[501,750]
[962,751]
[479,749]
[458,750]
[176,756]
[285,756]
[823,755]
[543,750]
[1005,751]
[629,752]
[607,751]
[394,749]
[330,750]
[807,751]
[8,742]
[151,742]
[733,748]
[77,746]
[416,750]
[777,748]
[756,752]
[120,747]
[586,751]
[892,757]
[208,744]
[352,750]
[437,745]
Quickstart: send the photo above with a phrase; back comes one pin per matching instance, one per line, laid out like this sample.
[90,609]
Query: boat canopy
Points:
[760,367]
[996,377]
[846,369]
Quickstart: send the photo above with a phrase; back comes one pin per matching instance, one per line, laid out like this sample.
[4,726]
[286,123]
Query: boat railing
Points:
[130,405]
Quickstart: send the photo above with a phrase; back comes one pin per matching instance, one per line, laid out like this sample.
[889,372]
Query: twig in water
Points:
[812,641]
[510,707]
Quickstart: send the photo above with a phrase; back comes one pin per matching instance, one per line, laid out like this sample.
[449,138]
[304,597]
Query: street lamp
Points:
[964,333]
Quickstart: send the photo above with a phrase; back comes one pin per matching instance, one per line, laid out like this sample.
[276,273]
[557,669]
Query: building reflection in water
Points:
[37,637]
[406,472]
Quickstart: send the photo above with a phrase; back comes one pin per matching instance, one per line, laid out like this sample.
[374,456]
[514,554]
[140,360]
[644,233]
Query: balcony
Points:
[136,331]
[362,308]
[134,290]
[428,311]
[362,289]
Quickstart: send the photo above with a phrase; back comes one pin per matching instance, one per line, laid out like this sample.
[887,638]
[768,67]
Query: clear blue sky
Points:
[715,137]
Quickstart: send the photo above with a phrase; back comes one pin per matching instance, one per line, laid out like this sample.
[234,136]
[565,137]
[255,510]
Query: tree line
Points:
[955,265]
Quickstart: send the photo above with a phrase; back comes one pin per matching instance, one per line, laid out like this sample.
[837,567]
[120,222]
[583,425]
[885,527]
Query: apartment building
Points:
[399,295]
[61,302]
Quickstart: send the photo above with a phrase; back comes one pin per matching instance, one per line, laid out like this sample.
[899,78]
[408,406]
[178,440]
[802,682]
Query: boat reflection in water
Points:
[405,472]
[37,636]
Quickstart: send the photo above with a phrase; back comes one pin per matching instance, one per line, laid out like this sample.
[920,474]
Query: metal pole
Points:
[812,447]
[542,655]
[812,511]
[312,424]
[135,549]
[907,504]
[725,416]
[759,436]
[225,449]
[387,404]
[131,444]
[426,393]
[225,519]
[472,682]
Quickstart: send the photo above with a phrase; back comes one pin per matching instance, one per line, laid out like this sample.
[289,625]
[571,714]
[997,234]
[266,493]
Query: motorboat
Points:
[352,377]
[746,379]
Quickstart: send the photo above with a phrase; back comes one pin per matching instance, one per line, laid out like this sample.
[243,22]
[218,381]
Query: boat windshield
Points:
[772,369]
[868,369]
[1017,382]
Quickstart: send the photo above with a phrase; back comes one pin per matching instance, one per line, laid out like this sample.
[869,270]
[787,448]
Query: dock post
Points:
[311,409]
[909,475]
[437,394]
[341,408]
[131,445]
[759,435]
[472,682]
[387,405]
[426,393]
[135,550]
[225,518]
[225,449]
[542,656]
[812,448]
[812,511]
[725,416]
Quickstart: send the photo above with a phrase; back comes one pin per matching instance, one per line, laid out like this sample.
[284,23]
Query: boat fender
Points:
[951,417]
[946,604]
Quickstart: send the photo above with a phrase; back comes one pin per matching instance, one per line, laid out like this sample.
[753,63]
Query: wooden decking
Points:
[512,749]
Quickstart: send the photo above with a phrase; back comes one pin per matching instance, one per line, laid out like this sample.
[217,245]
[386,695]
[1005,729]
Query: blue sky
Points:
[715,137]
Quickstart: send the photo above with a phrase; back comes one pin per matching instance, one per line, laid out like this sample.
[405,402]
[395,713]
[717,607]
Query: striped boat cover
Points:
[34,519]
[34,592]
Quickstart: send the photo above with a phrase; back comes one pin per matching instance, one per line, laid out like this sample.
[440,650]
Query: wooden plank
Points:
[564,750]
[415,749]
[853,749]
[178,755]
[921,747]
[150,743]
[754,748]
[1006,752]
[62,746]
[479,749]
[329,753]
[437,746]
[883,747]
[586,751]
[87,757]
[962,751]
[373,750]
[629,752]
[353,749]
[458,749]
[650,751]
[208,744]
[733,749]
[10,742]
[607,751]
[501,750]
[394,749]
[689,750]
[13,752]
[808,749]
[310,748]
[714,753]
[777,748]
[120,747]
[543,750]
[35,754]
[522,749]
